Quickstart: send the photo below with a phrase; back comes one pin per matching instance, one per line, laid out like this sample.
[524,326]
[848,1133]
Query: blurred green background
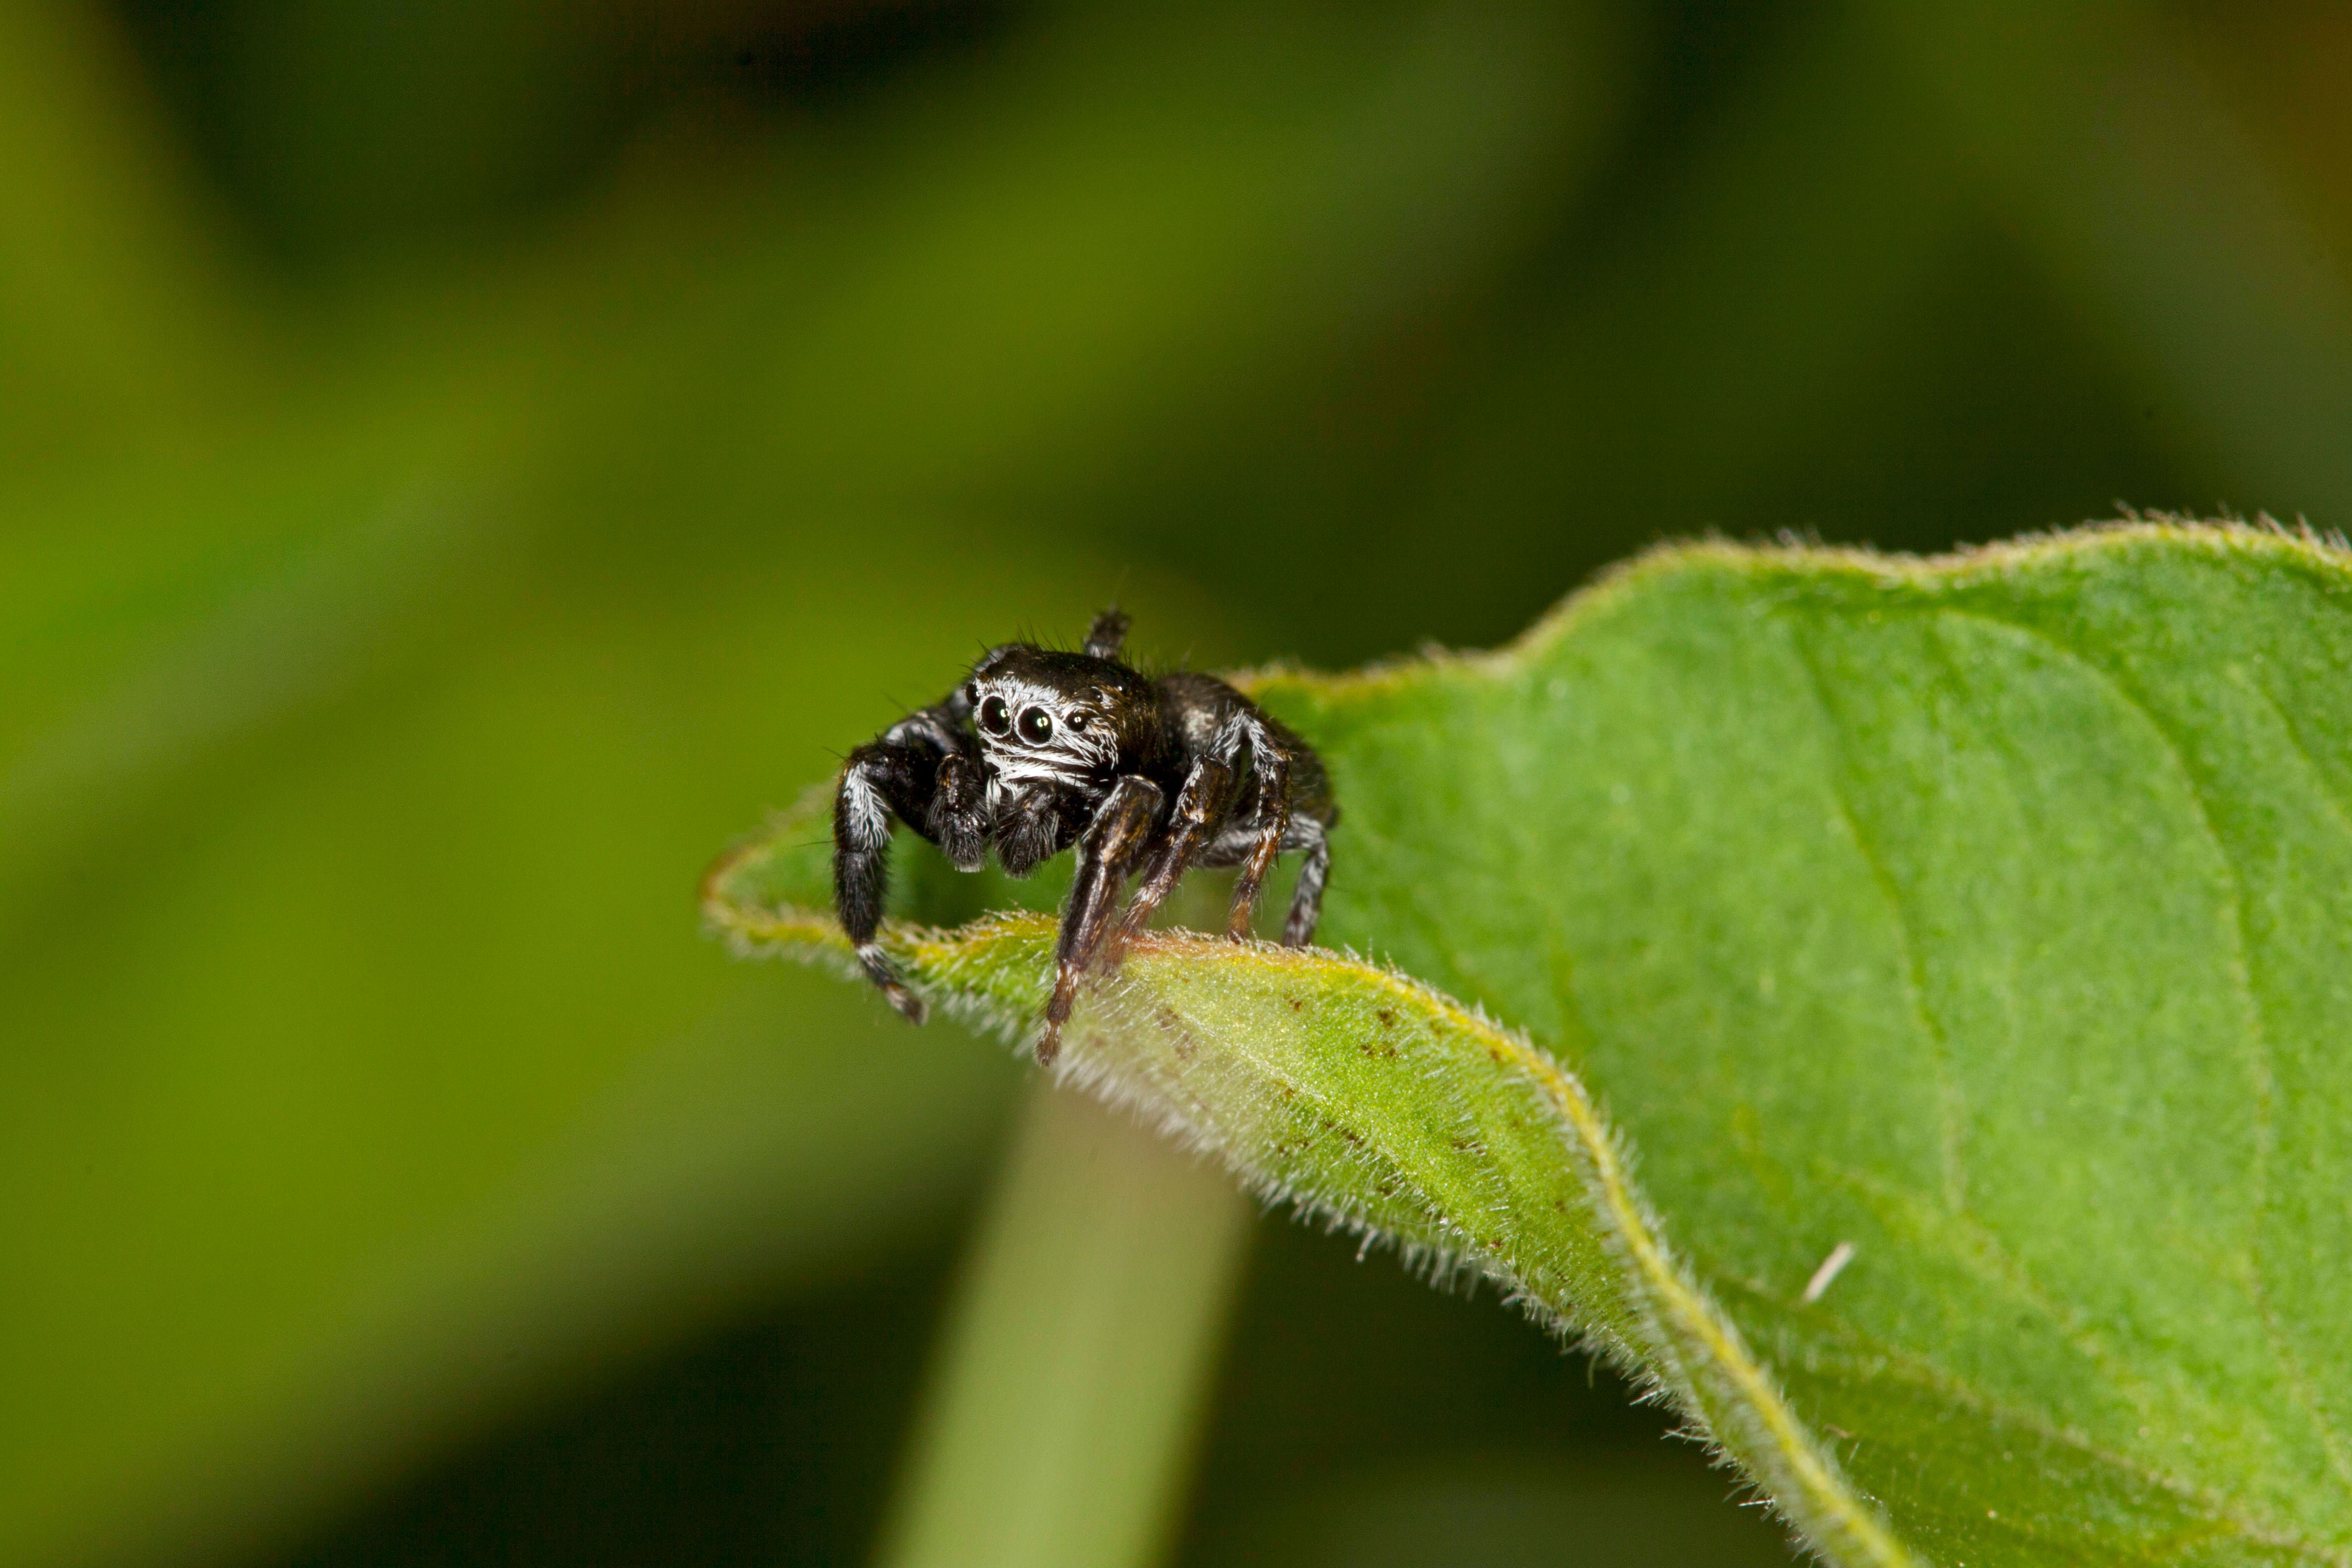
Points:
[464,460]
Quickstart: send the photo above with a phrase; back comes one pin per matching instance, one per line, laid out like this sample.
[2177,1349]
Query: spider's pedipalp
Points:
[957,820]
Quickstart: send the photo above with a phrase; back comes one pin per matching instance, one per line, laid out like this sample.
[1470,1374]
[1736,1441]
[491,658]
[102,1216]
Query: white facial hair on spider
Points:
[1080,748]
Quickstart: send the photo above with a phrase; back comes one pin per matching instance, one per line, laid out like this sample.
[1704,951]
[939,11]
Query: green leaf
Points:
[1980,923]
[1356,1092]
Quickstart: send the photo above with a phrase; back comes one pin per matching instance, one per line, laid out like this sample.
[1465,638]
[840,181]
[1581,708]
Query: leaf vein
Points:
[1951,1106]
[2261,1067]
[1873,1357]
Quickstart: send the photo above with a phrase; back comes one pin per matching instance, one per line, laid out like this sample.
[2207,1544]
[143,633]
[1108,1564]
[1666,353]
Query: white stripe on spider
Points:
[869,820]
[1091,747]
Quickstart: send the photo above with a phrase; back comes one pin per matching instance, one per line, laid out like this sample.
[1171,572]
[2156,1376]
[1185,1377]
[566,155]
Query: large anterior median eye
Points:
[994,717]
[1037,726]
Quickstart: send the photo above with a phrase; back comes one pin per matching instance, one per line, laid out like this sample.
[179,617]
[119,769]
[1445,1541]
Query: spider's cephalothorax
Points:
[1035,750]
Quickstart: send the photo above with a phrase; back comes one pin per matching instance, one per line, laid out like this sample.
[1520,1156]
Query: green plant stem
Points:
[1060,1421]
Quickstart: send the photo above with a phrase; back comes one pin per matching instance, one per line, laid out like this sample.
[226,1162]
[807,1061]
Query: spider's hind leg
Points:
[1271,806]
[1306,902]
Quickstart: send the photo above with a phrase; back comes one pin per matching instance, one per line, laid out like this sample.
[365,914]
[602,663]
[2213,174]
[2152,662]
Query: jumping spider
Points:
[1037,749]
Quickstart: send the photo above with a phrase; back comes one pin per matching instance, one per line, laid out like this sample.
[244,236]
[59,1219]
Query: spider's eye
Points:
[1037,726]
[994,717]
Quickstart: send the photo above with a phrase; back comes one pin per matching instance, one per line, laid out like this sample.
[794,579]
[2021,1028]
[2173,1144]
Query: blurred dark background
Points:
[462,461]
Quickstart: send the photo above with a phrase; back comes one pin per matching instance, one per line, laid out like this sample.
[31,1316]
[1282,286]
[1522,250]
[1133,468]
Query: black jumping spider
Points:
[1037,749]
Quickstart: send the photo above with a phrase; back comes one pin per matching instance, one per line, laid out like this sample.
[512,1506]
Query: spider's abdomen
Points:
[1197,709]
[1204,716]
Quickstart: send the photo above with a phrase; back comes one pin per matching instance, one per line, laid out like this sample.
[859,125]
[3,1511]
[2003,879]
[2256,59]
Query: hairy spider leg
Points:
[1203,804]
[1306,904]
[1107,634]
[880,780]
[1271,797]
[899,775]
[1106,852]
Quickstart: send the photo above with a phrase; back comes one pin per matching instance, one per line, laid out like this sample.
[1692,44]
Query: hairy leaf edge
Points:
[2300,544]
[1683,1343]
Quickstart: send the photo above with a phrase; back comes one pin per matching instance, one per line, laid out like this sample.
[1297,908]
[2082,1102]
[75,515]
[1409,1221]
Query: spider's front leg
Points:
[925,771]
[1107,853]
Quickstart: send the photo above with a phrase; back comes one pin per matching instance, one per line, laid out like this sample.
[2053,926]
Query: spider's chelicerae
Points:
[1037,749]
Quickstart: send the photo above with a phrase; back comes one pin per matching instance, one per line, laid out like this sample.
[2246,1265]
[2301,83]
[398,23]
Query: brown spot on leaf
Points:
[1171,1024]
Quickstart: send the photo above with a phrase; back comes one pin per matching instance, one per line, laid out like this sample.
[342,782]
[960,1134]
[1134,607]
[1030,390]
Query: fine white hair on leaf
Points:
[1204,1082]
[1826,1275]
